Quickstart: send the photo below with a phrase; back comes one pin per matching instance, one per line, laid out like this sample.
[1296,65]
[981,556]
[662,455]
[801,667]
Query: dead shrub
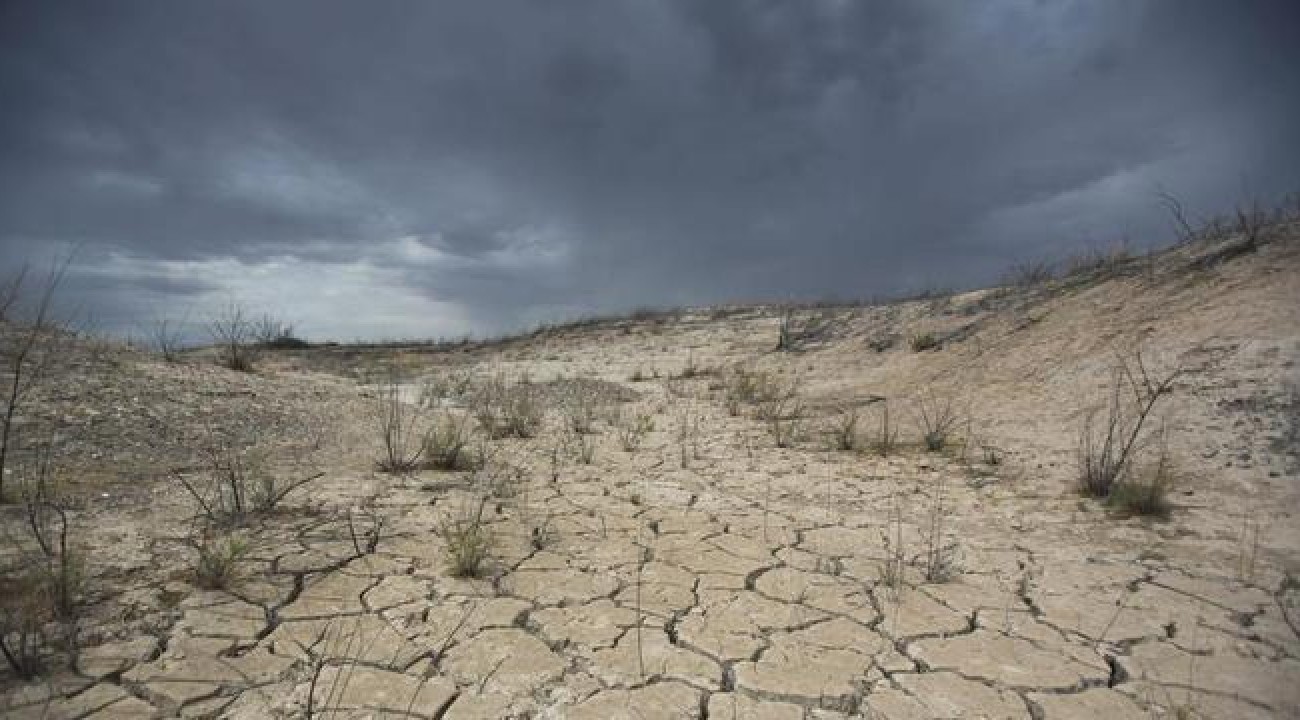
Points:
[397,421]
[886,433]
[166,338]
[781,407]
[937,418]
[633,428]
[241,338]
[508,408]
[1112,435]
[846,428]
[798,331]
[42,581]
[236,481]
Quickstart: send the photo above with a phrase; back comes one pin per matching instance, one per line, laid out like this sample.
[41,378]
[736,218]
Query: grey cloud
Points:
[669,151]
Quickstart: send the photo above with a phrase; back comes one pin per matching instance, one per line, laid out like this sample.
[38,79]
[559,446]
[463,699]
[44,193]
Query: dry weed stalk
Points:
[846,428]
[43,578]
[887,434]
[632,429]
[397,421]
[937,418]
[941,563]
[1111,437]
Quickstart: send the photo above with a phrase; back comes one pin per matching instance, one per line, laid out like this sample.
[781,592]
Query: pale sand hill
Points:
[755,574]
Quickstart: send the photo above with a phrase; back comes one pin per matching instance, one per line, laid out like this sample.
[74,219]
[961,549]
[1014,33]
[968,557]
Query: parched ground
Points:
[723,576]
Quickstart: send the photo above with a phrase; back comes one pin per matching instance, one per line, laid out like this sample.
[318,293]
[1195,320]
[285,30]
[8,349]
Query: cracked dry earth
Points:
[750,583]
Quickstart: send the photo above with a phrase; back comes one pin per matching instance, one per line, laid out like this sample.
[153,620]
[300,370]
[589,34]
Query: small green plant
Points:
[217,561]
[893,571]
[923,341]
[632,429]
[447,443]
[1147,495]
[468,540]
[941,555]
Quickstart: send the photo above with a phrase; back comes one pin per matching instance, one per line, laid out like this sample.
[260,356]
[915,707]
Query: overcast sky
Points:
[382,169]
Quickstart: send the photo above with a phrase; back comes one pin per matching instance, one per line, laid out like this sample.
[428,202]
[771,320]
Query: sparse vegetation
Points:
[218,556]
[1146,492]
[239,337]
[581,445]
[846,428]
[893,570]
[166,337]
[29,352]
[446,444]
[1111,436]
[633,428]
[798,330]
[43,577]
[780,405]
[688,434]
[937,417]
[236,481]
[886,433]
[921,342]
[400,441]
[941,561]
[508,408]
[468,540]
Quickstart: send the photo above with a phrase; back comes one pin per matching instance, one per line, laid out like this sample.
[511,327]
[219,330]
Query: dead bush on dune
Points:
[1111,435]
[166,337]
[234,335]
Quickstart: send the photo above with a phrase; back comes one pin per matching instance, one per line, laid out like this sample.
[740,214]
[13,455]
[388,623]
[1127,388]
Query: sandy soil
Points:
[711,573]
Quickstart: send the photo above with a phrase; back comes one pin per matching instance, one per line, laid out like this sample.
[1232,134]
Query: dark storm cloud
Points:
[518,159]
